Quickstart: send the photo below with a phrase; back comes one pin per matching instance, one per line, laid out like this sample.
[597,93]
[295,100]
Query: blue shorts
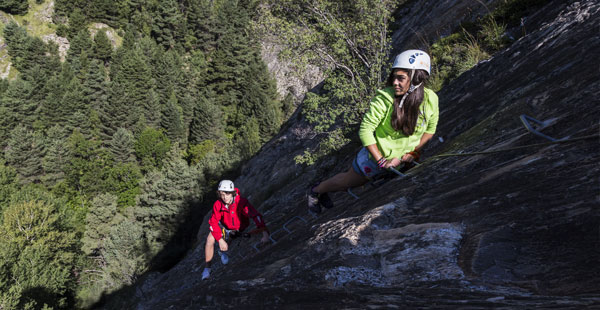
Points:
[364,166]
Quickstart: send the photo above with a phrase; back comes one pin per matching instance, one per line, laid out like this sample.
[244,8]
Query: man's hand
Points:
[265,237]
[223,245]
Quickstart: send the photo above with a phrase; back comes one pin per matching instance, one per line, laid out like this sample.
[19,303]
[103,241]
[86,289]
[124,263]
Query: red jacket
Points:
[235,217]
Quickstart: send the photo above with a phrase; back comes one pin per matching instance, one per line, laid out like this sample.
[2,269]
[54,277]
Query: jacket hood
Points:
[387,93]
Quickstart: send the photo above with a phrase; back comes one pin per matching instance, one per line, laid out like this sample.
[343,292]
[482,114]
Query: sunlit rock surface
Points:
[517,229]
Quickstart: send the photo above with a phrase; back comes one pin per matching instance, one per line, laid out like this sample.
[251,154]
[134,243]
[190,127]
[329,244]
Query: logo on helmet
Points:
[412,58]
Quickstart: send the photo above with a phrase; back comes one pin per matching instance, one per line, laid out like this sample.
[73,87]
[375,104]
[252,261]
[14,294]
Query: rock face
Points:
[518,228]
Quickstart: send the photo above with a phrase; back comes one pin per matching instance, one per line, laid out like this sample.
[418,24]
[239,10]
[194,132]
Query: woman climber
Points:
[401,119]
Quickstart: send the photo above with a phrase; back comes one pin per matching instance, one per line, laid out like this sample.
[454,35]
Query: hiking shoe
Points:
[205,273]
[325,201]
[224,258]
[313,202]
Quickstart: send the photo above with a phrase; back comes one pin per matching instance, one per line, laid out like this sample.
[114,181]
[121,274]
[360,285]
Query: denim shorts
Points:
[365,166]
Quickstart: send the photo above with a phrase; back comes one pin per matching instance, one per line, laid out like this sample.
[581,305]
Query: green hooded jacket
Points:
[376,126]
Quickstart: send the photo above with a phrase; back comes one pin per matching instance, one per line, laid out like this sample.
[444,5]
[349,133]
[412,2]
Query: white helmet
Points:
[226,186]
[413,59]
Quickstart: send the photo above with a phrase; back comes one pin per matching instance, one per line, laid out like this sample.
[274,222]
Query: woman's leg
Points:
[209,249]
[341,181]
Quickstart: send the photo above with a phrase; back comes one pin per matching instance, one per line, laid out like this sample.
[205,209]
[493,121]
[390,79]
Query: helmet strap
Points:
[411,89]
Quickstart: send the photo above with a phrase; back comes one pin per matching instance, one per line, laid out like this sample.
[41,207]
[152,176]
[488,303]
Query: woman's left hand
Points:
[407,158]
[392,163]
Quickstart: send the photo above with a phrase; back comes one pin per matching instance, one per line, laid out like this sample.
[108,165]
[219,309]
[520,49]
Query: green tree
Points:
[165,201]
[122,146]
[88,164]
[98,222]
[151,147]
[128,93]
[8,184]
[81,44]
[24,151]
[348,41]
[125,252]
[102,46]
[123,181]
[172,119]
[26,52]
[55,159]
[200,23]
[207,123]
[95,86]
[167,22]
[249,139]
[37,255]
[15,101]
[18,7]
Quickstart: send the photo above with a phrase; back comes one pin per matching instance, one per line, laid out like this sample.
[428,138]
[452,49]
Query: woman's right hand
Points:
[223,245]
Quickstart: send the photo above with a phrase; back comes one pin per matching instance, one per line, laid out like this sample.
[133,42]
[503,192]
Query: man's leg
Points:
[209,249]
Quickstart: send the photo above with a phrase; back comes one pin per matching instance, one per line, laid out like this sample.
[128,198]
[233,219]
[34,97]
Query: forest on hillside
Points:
[108,156]
[105,156]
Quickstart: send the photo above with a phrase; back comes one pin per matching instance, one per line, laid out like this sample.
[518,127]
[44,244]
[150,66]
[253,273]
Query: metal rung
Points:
[352,194]
[397,172]
[291,220]
[525,119]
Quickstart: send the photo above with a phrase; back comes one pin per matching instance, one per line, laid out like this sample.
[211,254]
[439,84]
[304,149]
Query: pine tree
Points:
[167,22]
[24,151]
[128,93]
[95,86]
[73,106]
[18,7]
[166,70]
[8,184]
[102,46]
[55,159]
[121,146]
[248,139]
[87,166]
[27,52]
[172,120]
[98,222]
[151,110]
[165,201]
[200,22]
[125,253]
[207,123]
[151,147]
[15,100]
[50,110]
[80,44]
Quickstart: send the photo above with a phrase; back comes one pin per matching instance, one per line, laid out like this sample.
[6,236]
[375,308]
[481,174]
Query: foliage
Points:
[14,6]
[347,40]
[95,131]
[37,256]
[151,148]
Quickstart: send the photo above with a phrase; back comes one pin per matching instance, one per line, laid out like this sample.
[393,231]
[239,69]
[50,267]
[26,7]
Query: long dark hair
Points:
[405,119]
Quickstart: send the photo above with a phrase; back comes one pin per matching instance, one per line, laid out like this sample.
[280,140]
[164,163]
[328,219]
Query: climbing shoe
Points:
[313,202]
[224,258]
[325,201]
[205,273]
